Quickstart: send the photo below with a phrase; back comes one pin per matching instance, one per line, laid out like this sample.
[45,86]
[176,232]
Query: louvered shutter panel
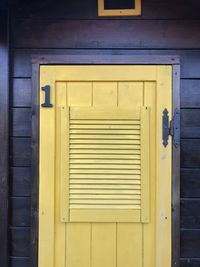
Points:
[104,164]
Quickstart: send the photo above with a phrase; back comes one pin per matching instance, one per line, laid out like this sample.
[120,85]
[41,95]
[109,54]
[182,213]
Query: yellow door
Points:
[105,176]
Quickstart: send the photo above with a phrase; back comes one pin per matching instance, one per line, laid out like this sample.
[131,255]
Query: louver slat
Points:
[103,163]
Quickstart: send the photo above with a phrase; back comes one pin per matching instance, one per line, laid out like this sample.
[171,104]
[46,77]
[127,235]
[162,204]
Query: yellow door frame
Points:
[133,60]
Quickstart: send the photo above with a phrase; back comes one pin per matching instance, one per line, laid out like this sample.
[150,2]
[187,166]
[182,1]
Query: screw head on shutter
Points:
[171,127]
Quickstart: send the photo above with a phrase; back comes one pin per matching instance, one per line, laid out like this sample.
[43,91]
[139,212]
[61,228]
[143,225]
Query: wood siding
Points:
[4,138]
[165,28]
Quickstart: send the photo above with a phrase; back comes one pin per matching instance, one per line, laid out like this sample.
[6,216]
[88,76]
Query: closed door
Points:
[105,176]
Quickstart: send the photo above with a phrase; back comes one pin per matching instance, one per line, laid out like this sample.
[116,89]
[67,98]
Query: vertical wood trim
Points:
[163,170]
[64,161]
[47,143]
[35,166]
[176,175]
[4,133]
[145,167]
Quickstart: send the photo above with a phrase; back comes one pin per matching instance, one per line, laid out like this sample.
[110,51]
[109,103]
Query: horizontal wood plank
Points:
[97,34]
[21,93]
[20,241]
[190,93]
[190,156]
[190,123]
[190,243]
[4,135]
[190,216]
[19,262]
[20,211]
[176,9]
[190,262]
[20,183]
[22,65]
[20,152]
[21,58]
[20,122]
[190,183]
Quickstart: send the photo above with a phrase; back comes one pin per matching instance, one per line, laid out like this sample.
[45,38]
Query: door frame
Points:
[37,61]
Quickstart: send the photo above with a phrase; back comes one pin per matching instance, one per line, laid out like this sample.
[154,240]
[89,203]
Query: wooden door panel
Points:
[129,244]
[130,236]
[95,244]
[79,93]
[130,94]
[78,244]
[103,247]
[149,230]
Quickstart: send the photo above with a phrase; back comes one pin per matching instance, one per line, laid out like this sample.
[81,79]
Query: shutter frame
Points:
[103,215]
[64,164]
[145,164]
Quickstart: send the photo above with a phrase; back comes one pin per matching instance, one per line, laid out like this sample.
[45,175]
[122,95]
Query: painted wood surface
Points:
[121,87]
[189,185]
[183,12]
[106,34]
[190,59]
[88,10]
[4,135]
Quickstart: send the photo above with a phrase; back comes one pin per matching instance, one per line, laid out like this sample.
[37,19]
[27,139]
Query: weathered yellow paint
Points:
[109,237]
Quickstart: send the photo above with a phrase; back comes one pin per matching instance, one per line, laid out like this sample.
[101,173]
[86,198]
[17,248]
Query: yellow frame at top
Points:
[119,12]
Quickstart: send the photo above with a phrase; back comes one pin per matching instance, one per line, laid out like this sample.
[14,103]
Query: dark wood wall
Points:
[73,27]
[4,138]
